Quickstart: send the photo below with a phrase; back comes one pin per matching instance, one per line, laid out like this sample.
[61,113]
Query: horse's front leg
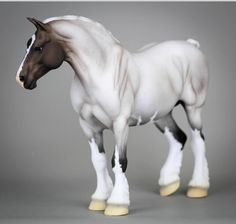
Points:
[104,182]
[118,202]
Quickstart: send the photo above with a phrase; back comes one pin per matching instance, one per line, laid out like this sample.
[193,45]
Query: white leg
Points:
[118,202]
[104,182]
[199,183]
[120,193]
[169,175]
[200,176]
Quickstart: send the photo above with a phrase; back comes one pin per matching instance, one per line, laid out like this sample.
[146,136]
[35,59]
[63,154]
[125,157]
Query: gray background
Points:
[45,171]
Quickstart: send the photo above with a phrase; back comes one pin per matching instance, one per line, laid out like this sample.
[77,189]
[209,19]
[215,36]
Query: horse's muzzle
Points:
[30,84]
[19,82]
[26,83]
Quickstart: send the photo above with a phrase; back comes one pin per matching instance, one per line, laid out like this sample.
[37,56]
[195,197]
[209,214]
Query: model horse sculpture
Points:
[114,89]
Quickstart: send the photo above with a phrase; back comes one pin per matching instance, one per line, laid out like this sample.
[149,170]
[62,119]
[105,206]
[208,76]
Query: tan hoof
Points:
[169,189]
[197,192]
[97,205]
[116,210]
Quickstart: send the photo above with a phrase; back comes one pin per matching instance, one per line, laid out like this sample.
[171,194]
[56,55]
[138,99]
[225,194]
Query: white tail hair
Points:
[194,42]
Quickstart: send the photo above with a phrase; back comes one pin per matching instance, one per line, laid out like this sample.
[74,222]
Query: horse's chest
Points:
[100,104]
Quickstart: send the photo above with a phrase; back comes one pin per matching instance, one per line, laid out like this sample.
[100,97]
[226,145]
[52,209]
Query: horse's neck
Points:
[93,57]
[106,70]
[94,54]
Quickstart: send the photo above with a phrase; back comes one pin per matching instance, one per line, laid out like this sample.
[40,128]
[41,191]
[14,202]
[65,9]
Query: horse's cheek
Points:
[53,59]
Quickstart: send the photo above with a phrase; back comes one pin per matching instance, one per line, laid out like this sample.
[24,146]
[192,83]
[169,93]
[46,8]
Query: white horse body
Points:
[114,89]
[161,75]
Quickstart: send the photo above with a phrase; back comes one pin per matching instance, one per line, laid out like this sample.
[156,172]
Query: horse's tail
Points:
[194,42]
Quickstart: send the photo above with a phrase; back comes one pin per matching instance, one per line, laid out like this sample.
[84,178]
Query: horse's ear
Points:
[38,24]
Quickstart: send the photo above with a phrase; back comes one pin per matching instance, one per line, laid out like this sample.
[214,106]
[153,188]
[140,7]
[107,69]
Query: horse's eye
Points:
[38,49]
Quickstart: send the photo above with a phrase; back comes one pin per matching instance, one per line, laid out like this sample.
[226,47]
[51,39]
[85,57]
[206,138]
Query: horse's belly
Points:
[152,102]
[147,111]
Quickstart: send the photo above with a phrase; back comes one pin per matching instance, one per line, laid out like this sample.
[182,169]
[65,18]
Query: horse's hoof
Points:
[97,205]
[116,210]
[197,192]
[169,189]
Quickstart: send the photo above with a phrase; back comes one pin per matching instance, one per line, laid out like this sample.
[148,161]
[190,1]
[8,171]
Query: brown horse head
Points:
[43,54]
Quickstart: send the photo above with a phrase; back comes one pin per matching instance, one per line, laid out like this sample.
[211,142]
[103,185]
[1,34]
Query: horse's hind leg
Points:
[169,175]
[199,184]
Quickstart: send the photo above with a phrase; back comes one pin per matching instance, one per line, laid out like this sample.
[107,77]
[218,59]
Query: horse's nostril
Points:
[22,78]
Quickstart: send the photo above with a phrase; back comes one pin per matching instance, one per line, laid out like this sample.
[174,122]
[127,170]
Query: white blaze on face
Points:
[22,63]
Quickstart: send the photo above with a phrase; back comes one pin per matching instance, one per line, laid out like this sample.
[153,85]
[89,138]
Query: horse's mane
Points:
[98,26]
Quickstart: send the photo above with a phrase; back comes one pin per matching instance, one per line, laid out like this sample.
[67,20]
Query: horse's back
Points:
[164,52]
[169,72]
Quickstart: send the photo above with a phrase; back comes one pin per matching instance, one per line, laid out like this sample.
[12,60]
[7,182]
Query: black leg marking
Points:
[99,141]
[180,136]
[170,123]
[123,161]
[202,135]
[113,160]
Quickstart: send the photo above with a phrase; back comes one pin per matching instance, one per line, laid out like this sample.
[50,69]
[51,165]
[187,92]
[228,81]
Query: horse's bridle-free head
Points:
[43,54]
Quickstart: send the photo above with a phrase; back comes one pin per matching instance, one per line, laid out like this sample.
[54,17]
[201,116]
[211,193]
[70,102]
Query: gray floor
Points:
[58,202]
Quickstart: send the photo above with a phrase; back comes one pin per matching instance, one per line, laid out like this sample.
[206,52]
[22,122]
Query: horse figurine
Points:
[115,89]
